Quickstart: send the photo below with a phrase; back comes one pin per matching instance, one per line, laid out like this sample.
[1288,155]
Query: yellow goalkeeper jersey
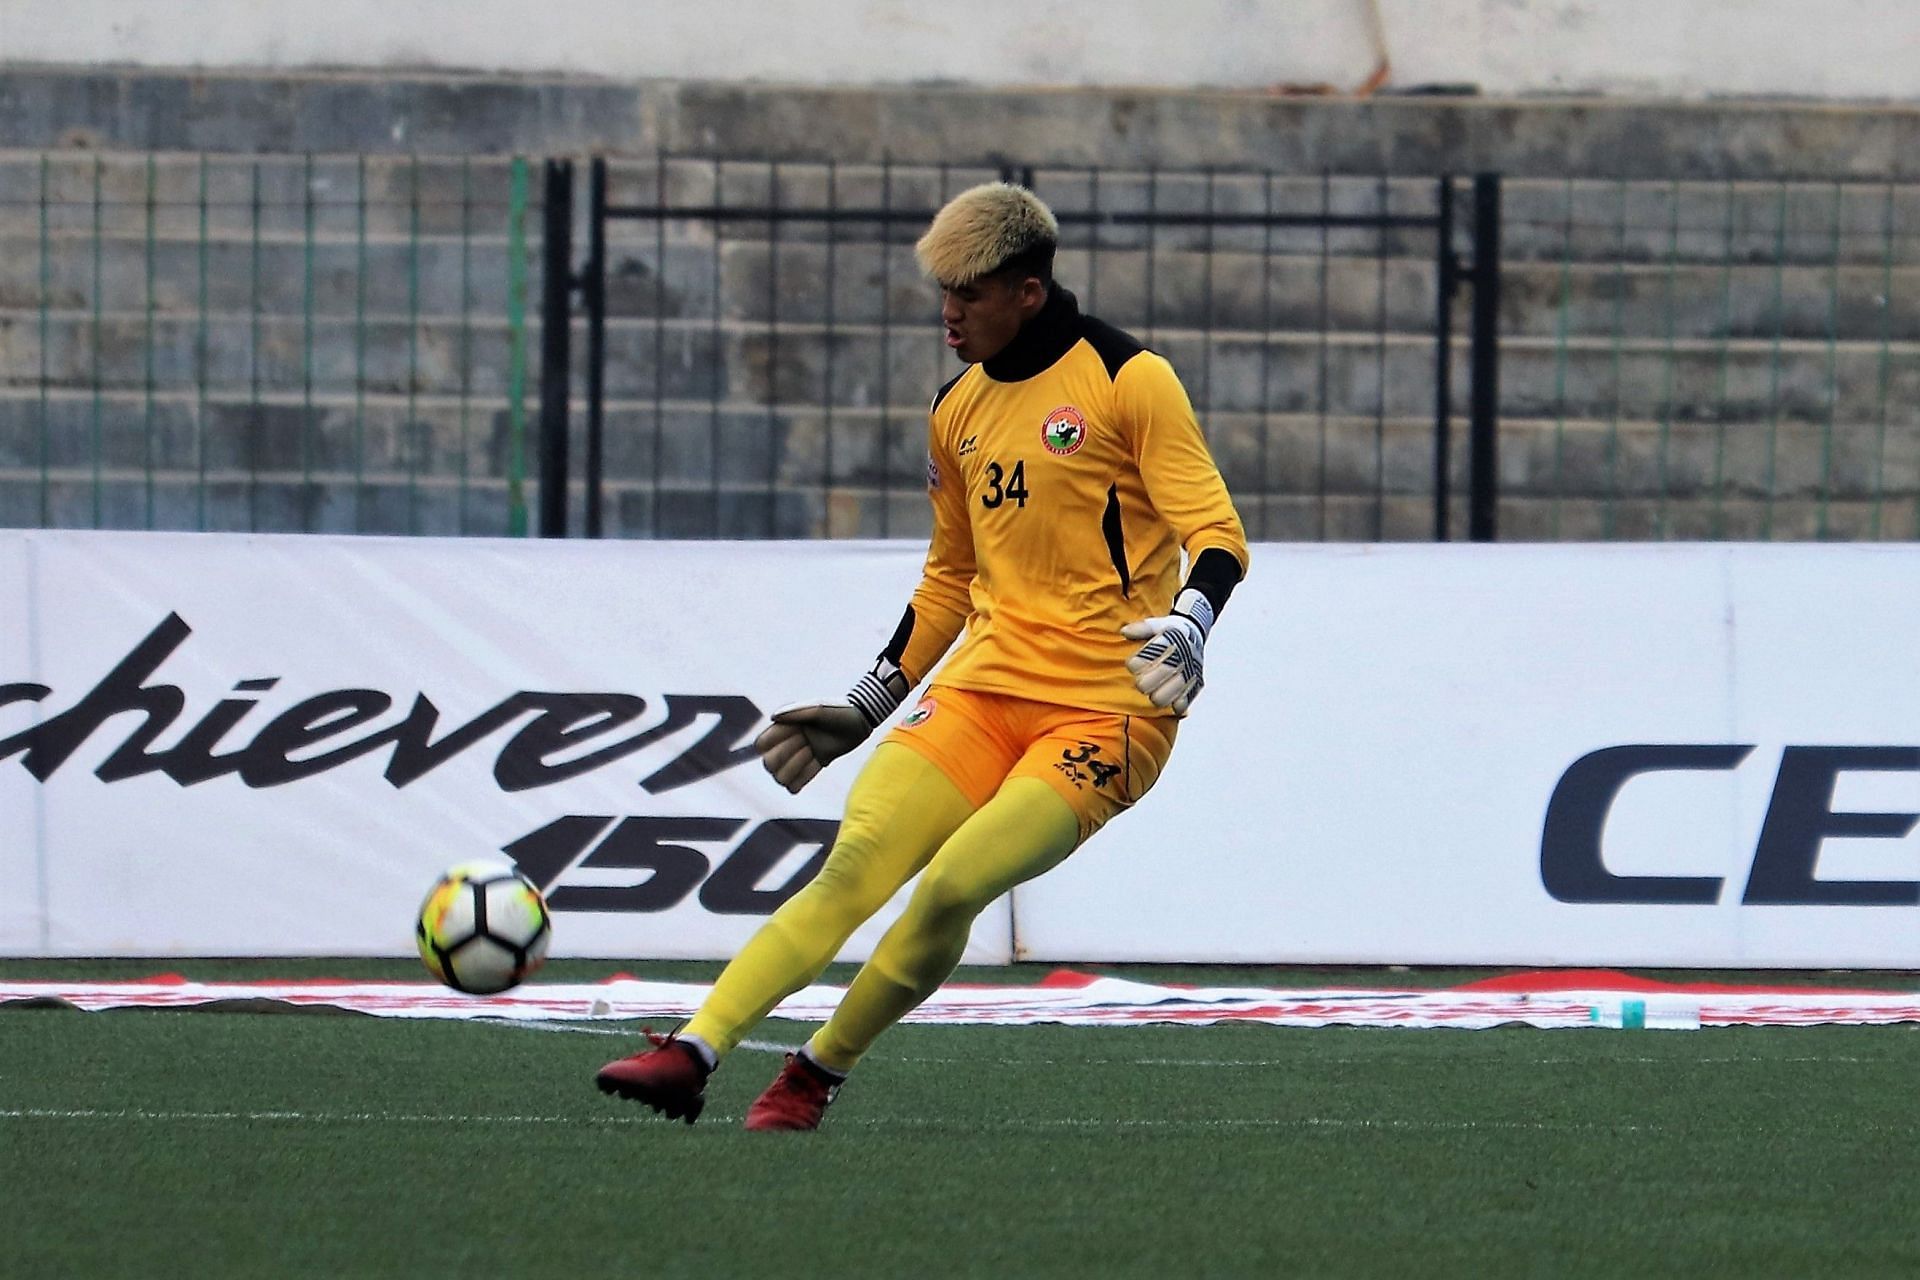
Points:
[1066,474]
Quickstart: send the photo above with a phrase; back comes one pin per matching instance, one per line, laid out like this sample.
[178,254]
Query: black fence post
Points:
[556,289]
[1447,280]
[1484,403]
[594,290]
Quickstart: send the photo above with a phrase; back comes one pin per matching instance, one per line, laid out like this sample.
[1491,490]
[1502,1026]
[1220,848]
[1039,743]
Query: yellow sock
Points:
[899,811]
[1024,830]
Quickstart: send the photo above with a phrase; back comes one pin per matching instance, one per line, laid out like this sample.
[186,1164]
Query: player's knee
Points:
[845,884]
[944,895]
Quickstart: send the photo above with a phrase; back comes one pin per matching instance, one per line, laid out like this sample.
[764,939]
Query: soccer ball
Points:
[483,928]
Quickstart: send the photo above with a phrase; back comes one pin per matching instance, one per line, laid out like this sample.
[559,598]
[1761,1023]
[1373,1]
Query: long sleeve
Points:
[943,600]
[1181,479]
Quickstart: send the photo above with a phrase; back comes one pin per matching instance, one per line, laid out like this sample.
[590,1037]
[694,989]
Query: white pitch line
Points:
[1362,1062]
[301,1117]
[758,1046]
[769,1046]
[876,1122]
[846,1122]
[1264,1122]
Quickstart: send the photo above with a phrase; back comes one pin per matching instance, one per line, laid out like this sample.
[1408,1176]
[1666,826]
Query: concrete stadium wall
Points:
[413,113]
[1839,49]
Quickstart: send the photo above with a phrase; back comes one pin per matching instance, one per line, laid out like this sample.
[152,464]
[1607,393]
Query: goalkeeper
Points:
[1067,474]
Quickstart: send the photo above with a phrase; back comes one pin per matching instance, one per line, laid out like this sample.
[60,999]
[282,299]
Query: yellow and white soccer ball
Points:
[483,928]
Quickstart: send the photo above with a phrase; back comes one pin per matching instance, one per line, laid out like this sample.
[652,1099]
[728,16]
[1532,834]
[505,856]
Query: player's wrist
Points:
[1195,607]
[879,693]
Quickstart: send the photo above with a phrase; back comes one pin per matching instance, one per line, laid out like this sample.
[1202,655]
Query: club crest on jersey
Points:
[921,713]
[1064,431]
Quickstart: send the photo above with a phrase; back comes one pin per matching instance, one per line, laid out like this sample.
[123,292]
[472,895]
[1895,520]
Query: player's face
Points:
[983,316]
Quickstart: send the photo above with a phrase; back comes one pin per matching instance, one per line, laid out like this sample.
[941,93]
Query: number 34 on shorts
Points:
[1081,764]
[1099,762]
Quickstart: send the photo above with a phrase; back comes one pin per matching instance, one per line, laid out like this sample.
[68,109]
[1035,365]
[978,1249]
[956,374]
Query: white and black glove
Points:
[1167,667]
[806,738]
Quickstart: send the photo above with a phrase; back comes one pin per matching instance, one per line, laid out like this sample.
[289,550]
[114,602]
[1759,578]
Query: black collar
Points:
[1041,341]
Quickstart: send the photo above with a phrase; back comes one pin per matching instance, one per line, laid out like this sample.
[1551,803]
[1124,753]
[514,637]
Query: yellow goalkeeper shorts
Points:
[1098,761]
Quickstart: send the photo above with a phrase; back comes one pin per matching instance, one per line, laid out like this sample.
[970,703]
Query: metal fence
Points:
[328,343]
[1711,360]
[296,343]
[759,347]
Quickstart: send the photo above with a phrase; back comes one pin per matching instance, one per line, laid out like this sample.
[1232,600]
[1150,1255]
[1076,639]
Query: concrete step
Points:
[1802,223]
[1522,518]
[1694,461]
[268,503]
[1863,304]
[691,277]
[1302,372]
[180,433]
[396,112]
[127,351]
[433,275]
[858,366]
[1863,224]
[1584,220]
[1809,382]
[1529,519]
[701,445]
[284,503]
[440,280]
[229,197]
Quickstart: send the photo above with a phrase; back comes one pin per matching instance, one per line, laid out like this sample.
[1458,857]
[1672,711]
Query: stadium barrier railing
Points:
[346,343]
[759,348]
[288,343]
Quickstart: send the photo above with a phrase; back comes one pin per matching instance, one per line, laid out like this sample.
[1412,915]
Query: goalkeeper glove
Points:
[1167,667]
[804,739]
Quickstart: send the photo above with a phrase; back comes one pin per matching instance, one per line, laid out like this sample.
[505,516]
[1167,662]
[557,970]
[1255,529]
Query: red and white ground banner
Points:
[1579,999]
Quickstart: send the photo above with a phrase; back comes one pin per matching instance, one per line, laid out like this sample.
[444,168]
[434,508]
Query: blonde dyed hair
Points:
[982,229]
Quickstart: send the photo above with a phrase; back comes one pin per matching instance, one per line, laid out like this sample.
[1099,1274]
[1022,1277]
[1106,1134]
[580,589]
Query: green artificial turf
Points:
[205,1144]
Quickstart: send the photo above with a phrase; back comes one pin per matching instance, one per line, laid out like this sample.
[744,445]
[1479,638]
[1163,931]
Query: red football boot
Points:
[671,1078]
[797,1098]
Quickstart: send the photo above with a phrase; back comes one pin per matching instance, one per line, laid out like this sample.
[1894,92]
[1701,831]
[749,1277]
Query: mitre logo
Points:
[1064,431]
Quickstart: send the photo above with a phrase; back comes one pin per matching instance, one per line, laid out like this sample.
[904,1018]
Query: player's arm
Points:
[802,740]
[944,598]
[1186,489]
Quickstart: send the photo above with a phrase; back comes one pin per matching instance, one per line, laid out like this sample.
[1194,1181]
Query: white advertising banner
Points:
[272,745]
[1648,755]
[22,903]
